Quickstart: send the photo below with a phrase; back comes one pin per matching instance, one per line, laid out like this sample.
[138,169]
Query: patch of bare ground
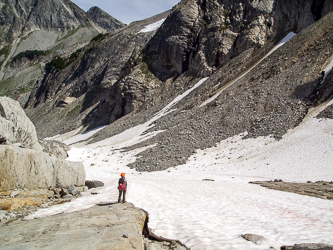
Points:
[319,189]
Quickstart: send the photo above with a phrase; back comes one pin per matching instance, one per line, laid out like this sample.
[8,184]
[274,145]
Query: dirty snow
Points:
[214,214]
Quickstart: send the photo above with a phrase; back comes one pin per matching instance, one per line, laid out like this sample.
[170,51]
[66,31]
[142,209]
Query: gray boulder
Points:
[257,239]
[94,184]
[15,126]
[73,190]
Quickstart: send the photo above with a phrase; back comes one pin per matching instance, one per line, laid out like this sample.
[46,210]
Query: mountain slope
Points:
[106,81]
[18,18]
[103,19]
[272,98]
[35,32]
[126,77]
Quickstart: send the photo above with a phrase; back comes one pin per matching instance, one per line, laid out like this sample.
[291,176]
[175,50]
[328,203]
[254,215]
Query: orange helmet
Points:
[122,174]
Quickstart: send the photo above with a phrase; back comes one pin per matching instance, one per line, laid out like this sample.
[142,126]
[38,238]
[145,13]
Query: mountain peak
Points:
[103,19]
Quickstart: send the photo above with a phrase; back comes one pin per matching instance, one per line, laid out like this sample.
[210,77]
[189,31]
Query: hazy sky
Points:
[128,11]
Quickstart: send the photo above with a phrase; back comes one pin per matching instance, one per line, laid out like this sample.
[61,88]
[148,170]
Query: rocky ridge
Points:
[103,19]
[36,32]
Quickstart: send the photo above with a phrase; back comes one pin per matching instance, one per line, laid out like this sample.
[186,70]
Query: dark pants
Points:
[122,192]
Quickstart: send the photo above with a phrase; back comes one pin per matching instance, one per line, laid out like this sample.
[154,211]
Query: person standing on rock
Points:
[122,186]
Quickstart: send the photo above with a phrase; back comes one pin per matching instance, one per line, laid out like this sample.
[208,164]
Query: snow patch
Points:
[152,27]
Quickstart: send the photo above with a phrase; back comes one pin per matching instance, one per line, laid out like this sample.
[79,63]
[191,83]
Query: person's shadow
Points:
[106,204]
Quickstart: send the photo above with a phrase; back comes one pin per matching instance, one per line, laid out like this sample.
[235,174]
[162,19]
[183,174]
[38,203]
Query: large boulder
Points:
[15,126]
[26,168]
[24,162]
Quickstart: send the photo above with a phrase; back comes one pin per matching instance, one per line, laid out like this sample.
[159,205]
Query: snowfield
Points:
[214,214]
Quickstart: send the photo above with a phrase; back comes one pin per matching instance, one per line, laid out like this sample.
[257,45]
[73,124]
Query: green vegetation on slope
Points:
[31,54]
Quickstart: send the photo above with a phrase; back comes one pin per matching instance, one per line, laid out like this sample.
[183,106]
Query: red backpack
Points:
[122,184]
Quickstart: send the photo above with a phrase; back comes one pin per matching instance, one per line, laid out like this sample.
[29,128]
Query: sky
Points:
[128,11]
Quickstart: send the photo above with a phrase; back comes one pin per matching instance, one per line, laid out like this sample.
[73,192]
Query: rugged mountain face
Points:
[125,77]
[107,81]
[209,34]
[18,18]
[35,32]
[104,20]
[272,98]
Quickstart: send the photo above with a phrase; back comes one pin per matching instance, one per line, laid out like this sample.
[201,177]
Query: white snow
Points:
[214,214]
[327,69]
[282,42]
[152,27]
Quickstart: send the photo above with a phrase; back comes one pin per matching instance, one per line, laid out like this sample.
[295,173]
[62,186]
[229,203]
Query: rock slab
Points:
[117,226]
[99,227]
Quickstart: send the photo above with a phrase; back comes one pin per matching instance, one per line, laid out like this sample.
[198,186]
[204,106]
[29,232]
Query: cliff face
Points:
[204,35]
[24,164]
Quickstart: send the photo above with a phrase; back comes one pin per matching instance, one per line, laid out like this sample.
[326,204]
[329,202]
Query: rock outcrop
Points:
[319,189]
[23,162]
[308,246]
[105,226]
[205,35]
[16,127]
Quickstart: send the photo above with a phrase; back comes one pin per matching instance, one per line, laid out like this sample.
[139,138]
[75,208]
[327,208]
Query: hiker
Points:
[122,186]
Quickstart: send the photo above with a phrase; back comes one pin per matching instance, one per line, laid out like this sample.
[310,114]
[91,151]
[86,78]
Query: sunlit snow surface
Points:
[214,214]
[152,27]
